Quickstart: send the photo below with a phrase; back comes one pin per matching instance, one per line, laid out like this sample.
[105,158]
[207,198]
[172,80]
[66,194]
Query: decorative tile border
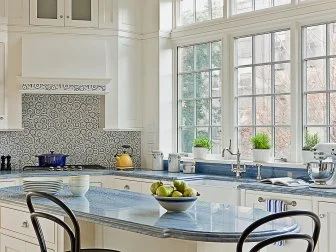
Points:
[63,88]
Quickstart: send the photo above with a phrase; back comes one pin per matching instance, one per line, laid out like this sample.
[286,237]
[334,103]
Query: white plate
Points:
[42,179]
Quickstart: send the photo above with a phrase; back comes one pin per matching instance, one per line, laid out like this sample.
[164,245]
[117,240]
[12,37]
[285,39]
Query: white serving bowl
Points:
[79,190]
[176,204]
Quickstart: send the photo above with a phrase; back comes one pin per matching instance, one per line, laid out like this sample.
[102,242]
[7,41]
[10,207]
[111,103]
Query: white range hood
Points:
[63,64]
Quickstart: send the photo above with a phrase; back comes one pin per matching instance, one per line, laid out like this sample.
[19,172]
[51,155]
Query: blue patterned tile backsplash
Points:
[67,124]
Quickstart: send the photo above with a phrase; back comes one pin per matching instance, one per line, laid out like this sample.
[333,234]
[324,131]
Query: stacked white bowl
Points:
[42,184]
[79,185]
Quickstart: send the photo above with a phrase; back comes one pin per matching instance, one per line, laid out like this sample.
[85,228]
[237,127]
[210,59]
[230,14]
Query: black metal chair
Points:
[312,240]
[74,235]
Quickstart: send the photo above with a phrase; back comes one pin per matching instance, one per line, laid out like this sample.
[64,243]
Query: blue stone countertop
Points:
[135,212]
[246,183]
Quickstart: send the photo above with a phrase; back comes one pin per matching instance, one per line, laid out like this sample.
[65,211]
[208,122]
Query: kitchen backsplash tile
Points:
[67,124]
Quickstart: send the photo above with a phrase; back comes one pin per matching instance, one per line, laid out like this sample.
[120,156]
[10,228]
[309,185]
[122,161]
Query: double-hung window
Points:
[319,81]
[199,94]
[262,90]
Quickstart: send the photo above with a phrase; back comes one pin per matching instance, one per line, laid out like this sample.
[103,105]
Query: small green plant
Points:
[261,141]
[202,142]
[310,141]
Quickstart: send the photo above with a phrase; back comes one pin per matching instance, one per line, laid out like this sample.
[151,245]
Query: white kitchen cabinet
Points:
[76,13]
[47,12]
[10,244]
[128,185]
[9,182]
[217,191]
[257,200]
[327,213]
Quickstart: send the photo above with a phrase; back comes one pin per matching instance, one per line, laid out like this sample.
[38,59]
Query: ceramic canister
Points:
[157,160]
[174,160]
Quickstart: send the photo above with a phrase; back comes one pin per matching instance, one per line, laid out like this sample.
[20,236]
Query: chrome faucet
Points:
[239,169]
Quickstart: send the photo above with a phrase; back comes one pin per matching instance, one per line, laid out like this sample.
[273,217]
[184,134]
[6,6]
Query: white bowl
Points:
[79,190]
[176,204]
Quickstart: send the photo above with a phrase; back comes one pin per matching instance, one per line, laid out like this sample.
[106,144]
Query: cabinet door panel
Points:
[9,244]
[81,13]
[252,200]
[2,82]
[18,12]
[47,12]
[327,213]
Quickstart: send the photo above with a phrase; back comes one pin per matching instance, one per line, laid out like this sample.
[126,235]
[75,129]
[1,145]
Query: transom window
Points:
[195,11]
[199,94]
[242,6]
[263,87]
[319,88]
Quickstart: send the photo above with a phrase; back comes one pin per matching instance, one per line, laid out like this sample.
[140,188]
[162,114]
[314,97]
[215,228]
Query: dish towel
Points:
[276,206]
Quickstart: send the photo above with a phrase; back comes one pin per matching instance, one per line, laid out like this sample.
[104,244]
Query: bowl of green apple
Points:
[178,197]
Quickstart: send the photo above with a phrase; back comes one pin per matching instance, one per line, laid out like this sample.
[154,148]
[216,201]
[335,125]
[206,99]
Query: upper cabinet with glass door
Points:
[76,13]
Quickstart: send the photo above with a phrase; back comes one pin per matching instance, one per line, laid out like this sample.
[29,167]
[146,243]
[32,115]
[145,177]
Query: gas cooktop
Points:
[64,168]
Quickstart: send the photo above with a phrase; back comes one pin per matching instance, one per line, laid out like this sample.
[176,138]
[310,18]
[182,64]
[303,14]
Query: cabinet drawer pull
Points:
[25,224]
[127,187]
[322,216]
[61,16]
[68,16]
[292,203]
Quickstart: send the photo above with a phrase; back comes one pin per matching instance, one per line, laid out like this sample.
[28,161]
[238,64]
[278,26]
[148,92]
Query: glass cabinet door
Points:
[81,13]
[47,12]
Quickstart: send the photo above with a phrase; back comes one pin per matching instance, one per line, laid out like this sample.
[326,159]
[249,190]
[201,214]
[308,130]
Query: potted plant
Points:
[310,141]
[261,147]
[201,147]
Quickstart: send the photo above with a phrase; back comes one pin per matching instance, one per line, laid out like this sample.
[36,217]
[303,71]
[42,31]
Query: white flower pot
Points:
[262,155]
[200,152]
[307,156]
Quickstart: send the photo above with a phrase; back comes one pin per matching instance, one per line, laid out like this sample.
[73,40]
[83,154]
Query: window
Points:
[319,88]
[263,86]
[242,6]
[196,11]
[199,92]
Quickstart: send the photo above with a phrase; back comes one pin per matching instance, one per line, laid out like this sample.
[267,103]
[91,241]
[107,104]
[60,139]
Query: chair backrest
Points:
[311,239]
[74,235]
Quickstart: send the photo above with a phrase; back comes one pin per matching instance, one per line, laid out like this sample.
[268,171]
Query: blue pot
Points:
[52,159]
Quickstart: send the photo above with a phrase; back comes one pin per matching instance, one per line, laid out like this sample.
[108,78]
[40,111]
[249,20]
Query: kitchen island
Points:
[130,221]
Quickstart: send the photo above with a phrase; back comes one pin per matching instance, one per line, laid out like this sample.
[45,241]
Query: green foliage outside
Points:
[261,141]
[310,140]
[202,142]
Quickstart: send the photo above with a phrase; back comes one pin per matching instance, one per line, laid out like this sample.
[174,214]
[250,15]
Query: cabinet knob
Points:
[127,187]
[322,216]
[2,118]
[61,16]
[25,224]
[68,16]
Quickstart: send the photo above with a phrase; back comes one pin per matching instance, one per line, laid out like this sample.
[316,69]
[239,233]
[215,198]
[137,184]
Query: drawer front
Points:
[129,185]
[19,222]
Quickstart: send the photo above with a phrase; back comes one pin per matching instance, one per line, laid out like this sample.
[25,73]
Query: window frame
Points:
[209,70]
[295,21]
[327,91]
[272,95]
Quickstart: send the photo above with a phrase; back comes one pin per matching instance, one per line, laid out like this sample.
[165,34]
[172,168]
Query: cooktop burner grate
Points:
[65,168]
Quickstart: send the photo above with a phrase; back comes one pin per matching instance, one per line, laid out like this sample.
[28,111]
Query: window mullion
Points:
[328,82]
[273,90]
[253,87]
